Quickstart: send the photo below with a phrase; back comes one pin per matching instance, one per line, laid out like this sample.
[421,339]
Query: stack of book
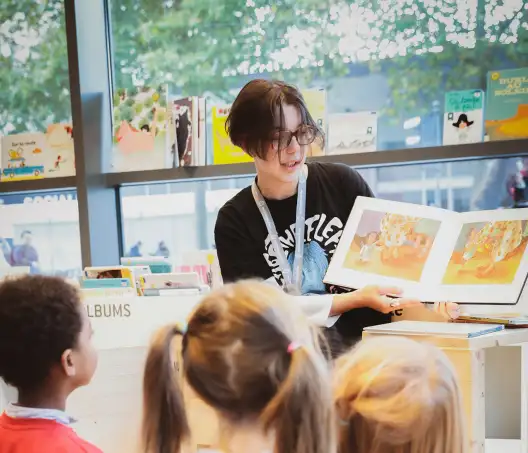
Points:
[140,276]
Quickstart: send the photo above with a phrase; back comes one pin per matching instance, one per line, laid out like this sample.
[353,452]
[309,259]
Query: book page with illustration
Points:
[433,254]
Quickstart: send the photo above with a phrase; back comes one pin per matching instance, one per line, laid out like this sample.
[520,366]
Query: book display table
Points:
[493,374]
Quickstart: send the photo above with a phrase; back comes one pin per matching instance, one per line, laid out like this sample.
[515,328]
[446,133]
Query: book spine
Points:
[195,131]
[202,113]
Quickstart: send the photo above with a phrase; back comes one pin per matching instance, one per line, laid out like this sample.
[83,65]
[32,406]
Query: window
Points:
[175,213]
[397,58]
[33,66]
[40,233]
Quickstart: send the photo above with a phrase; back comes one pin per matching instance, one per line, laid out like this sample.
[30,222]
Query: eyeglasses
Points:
[304,135]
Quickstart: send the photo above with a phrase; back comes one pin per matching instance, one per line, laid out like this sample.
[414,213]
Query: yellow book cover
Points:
[315,99]
[224,152]
[507,104]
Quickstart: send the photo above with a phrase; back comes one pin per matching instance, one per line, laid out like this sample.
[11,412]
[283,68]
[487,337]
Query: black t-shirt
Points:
[245,250]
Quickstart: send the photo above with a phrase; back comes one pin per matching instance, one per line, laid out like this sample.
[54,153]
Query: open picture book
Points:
[433,254]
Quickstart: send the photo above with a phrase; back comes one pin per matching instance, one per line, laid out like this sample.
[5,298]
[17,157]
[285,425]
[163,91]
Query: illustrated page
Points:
[396,244]
[488,262]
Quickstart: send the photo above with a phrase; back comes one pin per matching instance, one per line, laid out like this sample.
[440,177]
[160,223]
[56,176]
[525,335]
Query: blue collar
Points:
[14,411]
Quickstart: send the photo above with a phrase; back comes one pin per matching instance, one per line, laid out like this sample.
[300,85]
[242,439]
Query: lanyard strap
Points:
[292,280]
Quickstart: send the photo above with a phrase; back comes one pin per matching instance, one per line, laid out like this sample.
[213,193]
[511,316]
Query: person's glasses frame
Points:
[304,134]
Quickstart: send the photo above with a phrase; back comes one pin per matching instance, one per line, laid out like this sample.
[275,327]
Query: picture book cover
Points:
[183,113]
[463,117]
[140,129]
[433,254]
[224,152]
[39,155]
[350,133]
[507,104]
[24,157]
[112,272]
[315,99]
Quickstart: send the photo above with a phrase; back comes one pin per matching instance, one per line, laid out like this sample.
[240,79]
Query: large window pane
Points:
[397,57]
[40,231]
[34,81]
[183,214]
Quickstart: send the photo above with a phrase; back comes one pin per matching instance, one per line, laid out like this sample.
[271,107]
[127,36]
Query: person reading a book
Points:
[287,224]
[45,353]
[395,395]
[249,354]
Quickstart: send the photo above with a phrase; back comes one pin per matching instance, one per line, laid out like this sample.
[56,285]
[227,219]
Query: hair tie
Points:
[293,346]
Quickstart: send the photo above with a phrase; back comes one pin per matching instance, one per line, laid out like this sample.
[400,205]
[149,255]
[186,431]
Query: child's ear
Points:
[67,363]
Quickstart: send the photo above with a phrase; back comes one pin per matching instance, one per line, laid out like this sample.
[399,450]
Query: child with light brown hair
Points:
[251,355]
[395,395]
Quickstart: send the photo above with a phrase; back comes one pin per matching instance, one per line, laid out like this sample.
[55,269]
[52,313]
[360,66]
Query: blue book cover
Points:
[157,266]
[507,104]
[105,283]
[463,117]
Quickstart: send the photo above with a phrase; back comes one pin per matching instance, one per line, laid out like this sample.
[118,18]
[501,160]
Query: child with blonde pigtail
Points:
[395,395]
[251,355]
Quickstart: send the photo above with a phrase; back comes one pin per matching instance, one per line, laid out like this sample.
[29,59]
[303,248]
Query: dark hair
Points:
[235,355]
[24,233]
[40,318]
[253,115]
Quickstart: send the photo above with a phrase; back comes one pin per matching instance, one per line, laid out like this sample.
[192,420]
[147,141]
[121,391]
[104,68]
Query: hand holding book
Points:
[386,300]
[382,299]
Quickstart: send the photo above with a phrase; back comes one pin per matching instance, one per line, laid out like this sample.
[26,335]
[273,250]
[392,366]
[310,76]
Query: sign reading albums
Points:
[130,322]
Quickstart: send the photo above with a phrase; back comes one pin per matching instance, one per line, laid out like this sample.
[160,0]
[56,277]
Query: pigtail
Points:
[301,413]
[165,426]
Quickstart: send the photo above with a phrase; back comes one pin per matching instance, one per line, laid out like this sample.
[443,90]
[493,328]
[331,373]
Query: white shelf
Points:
[503,446]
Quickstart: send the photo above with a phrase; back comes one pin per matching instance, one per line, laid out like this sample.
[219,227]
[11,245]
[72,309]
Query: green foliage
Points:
[126,113]
[199,46]
[34,87]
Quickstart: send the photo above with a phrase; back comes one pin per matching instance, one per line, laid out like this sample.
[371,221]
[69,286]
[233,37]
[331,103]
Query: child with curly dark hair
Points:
[45,353]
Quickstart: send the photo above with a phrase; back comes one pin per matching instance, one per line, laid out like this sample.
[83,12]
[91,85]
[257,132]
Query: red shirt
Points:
[37,435]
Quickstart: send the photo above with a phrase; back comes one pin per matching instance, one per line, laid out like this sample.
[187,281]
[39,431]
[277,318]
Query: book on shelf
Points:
[182,111]
[224,152]
[130,273]
[507,104]
[156,264]
[433,254]
[172,292]
[316,102]
[441,329]
[141,141]
[205,264]
[190,124]
[98,283]
[90,293]
[202,131]
[463,117]
[170,280]
[38,155]
[350,133]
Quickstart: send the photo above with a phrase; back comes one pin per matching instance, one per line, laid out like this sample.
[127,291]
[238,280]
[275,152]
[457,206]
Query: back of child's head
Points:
[395,395]
[44,335]
[251,355]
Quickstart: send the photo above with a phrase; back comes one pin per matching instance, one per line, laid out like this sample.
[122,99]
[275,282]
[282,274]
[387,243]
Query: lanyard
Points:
[292,280]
